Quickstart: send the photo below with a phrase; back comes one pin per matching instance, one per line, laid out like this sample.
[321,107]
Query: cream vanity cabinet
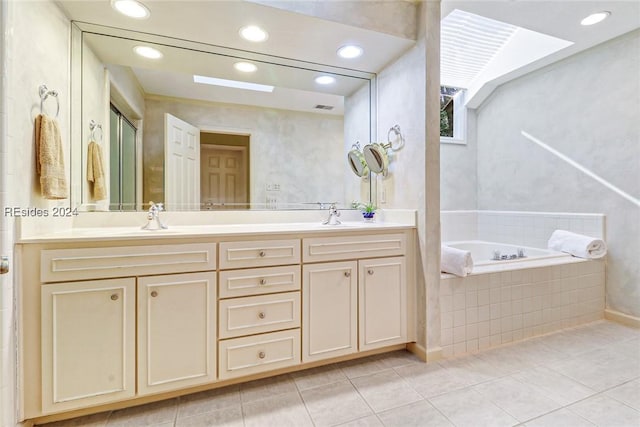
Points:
[105,324]
[88,343]
[259,307]
[176,331]
[354,305]
[88,323]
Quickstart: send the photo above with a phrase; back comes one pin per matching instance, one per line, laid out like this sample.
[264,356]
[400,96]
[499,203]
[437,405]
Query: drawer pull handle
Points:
[262,315]
[262,355]
[262,253]
[263,281]
[154,293]
[114,297]
[370,272]
[347,274]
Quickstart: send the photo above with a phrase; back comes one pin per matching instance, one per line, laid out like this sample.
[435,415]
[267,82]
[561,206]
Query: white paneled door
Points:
[181,165]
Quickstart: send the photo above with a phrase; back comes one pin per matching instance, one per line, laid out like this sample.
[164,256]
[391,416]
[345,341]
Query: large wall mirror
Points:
[204,127]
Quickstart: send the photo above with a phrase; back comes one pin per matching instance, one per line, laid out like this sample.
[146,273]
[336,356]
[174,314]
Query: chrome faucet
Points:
[333,215]
[153,217]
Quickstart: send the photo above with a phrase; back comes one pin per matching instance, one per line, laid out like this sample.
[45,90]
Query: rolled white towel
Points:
[455,261]
[577,245]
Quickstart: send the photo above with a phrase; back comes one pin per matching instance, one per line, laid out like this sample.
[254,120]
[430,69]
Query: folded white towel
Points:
[577,245]
[455,261]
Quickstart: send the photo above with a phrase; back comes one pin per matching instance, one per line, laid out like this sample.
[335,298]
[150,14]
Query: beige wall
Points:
[36,51]
[404,88]
[301,152]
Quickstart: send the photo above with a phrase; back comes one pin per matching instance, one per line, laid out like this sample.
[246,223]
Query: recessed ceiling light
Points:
[148,52]
[594,18]
[350,51]
[232,83]
[245,67]
[325,80]
[253,33]
[131,8]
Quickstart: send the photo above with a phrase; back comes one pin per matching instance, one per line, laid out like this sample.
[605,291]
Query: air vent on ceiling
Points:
[323,107]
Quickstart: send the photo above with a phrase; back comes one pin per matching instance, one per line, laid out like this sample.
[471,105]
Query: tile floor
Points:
[585,376]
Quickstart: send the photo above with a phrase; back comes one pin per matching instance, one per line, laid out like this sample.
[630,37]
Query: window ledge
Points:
[447,140]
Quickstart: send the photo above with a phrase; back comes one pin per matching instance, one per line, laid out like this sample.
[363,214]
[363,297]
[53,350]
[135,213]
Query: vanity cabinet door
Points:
[176,331]
[88,343]
[383,302]
[330,307]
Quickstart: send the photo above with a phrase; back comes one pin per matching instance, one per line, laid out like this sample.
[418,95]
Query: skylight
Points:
[232,83]
[468,43]
[475,50]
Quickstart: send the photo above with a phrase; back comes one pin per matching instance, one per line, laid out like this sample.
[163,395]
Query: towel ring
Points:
[92,127]
[44,94]
[398,137]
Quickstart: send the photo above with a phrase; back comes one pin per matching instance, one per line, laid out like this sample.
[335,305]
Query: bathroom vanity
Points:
[114,317]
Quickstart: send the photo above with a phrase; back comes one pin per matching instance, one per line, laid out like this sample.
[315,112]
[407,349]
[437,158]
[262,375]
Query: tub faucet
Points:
[333,215]
[153,217]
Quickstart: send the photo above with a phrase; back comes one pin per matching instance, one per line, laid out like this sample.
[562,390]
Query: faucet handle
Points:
[160,207]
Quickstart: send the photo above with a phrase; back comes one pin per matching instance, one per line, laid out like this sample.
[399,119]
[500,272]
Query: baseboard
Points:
[625,319]
[434,354]
[418,350]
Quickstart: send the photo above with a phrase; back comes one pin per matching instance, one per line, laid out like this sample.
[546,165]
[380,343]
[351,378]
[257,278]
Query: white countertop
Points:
[106,226]
[198,231]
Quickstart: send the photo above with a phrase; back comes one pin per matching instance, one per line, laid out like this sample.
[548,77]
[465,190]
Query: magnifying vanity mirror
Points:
[357,162]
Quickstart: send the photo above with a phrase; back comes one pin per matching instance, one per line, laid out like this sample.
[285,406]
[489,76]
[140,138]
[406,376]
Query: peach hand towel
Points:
[50,159]
[95,171]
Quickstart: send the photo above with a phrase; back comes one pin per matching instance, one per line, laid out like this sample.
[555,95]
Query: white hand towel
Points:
[456,261]
[577,245]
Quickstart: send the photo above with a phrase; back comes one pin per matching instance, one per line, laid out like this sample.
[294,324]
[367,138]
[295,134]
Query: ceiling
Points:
[557,18]
[315,41]
[216,23]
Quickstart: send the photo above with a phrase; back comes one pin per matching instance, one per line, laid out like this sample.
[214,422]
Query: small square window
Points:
[452,115]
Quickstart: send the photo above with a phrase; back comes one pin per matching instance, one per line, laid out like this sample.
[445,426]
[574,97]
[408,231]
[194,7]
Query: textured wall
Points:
[35,51]
[586,107]
[300,151]
[458,171]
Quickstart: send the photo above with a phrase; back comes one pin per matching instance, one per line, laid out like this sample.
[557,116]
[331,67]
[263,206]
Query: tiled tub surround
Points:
[493,308]
[518,228]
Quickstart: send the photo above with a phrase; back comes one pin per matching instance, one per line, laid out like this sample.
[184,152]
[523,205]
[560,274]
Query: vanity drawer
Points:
[100,263]
[254,315]
[258,281]
[259,353]
[259,253]
[351,247]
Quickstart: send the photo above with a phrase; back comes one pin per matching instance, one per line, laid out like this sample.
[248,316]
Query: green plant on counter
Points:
[367,207]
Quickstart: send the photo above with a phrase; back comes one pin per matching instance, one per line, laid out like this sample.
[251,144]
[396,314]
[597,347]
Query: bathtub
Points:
[510,300]
[482,253]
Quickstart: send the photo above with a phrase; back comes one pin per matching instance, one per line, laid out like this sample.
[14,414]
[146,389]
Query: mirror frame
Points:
[79,29]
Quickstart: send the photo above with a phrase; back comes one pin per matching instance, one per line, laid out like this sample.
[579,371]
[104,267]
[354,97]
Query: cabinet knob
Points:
[262,315]
[347,274]
[263,281]
[262,355]
[262,253]
[114,297]
[154,294]
[370,272]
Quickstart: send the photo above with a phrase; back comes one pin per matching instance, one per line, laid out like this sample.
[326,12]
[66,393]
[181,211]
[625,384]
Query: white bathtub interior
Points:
[483,252]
